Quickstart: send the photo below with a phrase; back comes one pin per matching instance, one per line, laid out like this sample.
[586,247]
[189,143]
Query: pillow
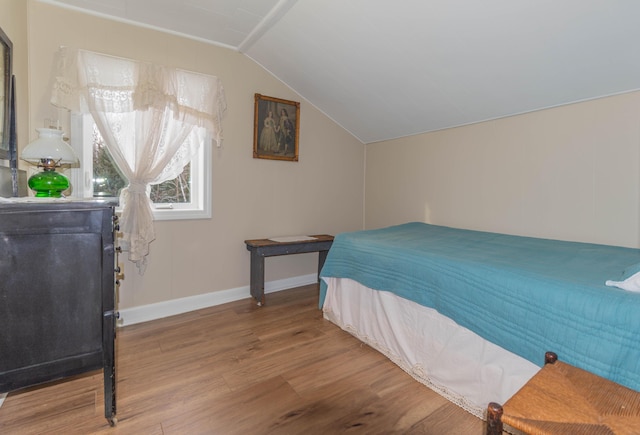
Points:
[630,280]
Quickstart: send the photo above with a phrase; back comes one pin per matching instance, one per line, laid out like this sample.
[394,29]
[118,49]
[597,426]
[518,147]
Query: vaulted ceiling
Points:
[385,69]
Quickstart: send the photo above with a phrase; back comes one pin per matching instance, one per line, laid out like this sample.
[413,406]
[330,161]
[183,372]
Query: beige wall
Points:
[13,21]
[570,173]
[252,198]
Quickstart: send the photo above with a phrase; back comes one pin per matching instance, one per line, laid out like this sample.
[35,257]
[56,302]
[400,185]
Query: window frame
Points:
[82,178]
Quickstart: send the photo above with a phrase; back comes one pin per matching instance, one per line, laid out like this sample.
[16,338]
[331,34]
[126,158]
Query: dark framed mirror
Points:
[6,48]
[9,174]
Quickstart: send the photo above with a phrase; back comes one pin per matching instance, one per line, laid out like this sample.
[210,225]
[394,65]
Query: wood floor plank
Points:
[241,369]
[240,412]
[362,363]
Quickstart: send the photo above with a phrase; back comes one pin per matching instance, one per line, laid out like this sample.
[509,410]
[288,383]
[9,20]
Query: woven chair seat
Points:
[562,399]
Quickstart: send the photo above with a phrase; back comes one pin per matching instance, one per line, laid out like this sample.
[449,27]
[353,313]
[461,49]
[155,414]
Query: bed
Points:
[470,314]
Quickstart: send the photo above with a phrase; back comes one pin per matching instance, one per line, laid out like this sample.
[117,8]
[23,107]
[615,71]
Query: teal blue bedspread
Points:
[527,295]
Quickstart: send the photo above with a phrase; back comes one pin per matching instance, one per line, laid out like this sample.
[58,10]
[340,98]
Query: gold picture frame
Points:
[275,129]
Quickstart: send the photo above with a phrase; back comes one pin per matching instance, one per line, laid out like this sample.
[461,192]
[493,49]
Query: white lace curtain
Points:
[152,119]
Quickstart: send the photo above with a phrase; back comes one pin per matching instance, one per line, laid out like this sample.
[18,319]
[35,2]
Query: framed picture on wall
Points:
[275,129]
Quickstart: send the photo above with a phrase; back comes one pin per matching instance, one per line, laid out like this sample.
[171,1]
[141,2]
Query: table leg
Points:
[257,277]
[322,256]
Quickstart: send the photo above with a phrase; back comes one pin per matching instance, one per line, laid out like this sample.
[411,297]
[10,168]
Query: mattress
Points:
[525,295]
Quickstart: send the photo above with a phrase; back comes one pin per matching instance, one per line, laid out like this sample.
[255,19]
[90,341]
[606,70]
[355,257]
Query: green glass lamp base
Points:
[48,184]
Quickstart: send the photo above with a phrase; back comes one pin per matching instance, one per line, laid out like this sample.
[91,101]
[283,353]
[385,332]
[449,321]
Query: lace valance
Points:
[119,85]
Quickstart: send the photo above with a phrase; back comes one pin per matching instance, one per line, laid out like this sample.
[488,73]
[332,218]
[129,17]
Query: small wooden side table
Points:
[563,399]
[261,248]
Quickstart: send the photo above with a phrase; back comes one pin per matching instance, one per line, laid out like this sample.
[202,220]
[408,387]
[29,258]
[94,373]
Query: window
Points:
[185,197]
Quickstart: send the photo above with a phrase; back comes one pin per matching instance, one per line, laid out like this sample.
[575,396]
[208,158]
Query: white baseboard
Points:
[145,313]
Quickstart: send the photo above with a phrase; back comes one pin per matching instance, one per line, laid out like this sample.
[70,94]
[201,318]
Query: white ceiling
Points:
[385,69]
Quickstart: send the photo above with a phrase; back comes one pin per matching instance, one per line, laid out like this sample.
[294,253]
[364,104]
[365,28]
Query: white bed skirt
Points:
[451,360]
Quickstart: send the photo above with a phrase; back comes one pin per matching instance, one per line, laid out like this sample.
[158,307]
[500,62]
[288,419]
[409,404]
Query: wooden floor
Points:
[242,369]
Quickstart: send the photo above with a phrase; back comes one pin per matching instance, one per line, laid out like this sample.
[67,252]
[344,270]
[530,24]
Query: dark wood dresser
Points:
[57,293]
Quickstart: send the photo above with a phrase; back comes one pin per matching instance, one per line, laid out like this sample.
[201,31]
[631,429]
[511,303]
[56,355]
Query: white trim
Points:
[82,125]
[268,22]
[145,313]
[134,23]
[200,206]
